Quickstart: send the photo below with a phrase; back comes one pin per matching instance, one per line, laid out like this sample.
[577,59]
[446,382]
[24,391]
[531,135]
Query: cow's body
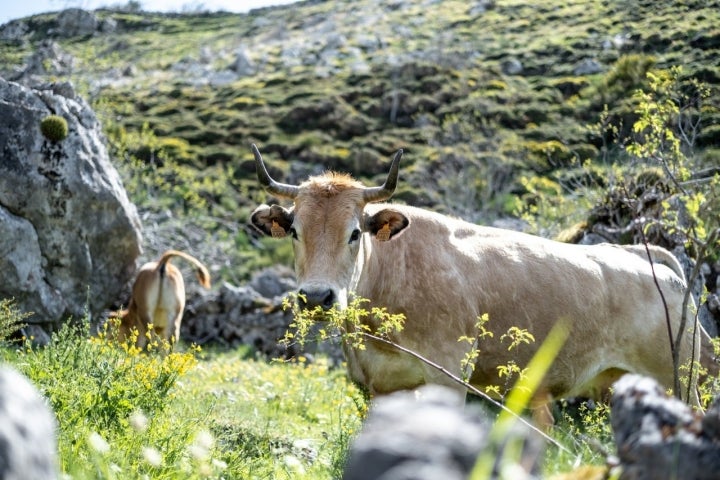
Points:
[443,273]
[158,300]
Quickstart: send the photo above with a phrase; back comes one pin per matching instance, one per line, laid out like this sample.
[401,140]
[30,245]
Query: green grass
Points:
[185,415]
[277,420]
[218,414]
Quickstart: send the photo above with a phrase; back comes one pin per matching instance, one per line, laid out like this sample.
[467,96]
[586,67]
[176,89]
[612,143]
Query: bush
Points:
[11,319]
[54,128]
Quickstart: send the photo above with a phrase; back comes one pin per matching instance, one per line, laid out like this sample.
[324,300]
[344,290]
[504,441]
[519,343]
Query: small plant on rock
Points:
[54,128]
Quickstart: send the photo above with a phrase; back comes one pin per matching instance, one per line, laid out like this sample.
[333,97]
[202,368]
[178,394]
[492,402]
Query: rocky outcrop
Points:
[659,437]
[69,236]
[28,448]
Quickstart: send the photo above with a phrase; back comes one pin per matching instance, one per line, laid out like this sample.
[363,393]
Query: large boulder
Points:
[77,22]
[430,434]
[69,236]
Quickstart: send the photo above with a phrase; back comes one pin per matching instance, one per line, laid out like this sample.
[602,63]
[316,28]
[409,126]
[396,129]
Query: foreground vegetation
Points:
[123,414]
[197,414]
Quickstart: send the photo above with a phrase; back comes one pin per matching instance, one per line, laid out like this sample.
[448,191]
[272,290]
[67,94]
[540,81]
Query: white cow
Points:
[442,273]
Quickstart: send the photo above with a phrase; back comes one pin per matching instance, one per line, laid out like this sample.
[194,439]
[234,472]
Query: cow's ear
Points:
[385,224]
[272,220]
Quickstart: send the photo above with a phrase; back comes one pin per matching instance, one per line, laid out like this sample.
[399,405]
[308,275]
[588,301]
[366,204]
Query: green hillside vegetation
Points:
[428,78]
[496,122]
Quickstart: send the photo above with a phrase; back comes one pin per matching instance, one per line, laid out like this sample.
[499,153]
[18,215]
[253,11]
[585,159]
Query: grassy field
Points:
[193,414]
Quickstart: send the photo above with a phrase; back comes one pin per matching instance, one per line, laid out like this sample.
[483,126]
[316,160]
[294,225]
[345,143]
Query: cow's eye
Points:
[293,233]
[354,235]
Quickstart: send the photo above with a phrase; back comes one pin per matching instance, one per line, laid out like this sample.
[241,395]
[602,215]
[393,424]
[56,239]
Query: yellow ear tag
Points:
[383,234]
[276,230]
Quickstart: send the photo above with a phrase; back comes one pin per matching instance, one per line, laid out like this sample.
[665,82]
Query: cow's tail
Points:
[201,271]
[708,358]
[658,255]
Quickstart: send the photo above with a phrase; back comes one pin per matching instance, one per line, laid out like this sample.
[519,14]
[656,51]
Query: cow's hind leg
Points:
[540,407]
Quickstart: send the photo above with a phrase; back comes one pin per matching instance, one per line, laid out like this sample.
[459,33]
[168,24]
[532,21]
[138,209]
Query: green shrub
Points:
[543,156]
[54,128]
[11,319]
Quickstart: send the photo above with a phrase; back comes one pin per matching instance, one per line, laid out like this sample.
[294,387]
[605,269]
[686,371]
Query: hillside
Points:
[492,101]
[512,113]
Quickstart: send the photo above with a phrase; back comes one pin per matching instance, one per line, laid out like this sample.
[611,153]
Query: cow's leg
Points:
[144,319]
[540,406]
[175,328]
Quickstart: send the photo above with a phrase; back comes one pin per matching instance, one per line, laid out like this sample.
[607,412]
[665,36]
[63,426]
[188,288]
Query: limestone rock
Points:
[28,448]
[77,22]
[429,434]
[69,236]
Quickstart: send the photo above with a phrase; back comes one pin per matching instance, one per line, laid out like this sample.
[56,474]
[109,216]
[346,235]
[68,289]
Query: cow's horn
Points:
[270,185]
[378,194]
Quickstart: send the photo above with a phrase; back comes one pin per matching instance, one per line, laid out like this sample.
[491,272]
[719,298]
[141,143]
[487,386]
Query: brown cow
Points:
[158,298]
[443,273]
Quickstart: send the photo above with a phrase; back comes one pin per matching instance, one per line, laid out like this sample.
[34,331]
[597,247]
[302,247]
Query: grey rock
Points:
[660,437]
[243,65]
[74,22]
[430,434]
[28,447]
[48,59]
[274,282]
[14,31]
[69,236]
[589,66]
[512,66]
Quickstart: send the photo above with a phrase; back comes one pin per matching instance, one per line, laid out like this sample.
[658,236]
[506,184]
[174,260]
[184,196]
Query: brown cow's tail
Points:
[201,271]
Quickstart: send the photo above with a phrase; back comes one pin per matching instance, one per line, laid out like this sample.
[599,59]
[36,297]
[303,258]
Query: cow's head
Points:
[327,223]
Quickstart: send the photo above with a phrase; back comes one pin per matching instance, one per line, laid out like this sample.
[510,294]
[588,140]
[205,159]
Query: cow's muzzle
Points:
[309,298]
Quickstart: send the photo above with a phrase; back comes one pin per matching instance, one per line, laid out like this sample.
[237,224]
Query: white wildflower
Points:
[98,443]
[294,463]
[200,449]
[138,421]
[152,456]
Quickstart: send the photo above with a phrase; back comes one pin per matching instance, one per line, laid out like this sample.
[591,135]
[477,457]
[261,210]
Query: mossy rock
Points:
[54,128]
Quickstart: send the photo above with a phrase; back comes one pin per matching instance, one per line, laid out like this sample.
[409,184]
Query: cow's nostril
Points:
[309,299]
[329,300]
